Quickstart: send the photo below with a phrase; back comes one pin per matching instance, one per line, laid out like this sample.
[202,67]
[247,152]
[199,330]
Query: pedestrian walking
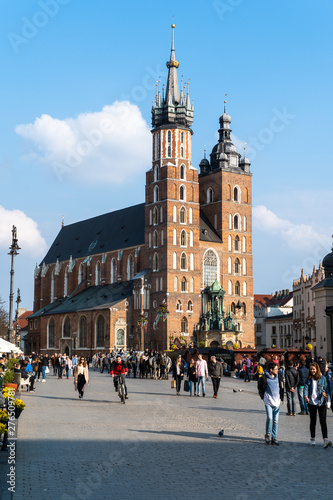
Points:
[68,366]
[192,377]
[201,372]
[317,396]
[61,364]
[45,366]
[303,372]
[178,373]
[134,360]
[81,376]
[292,379]
[247,363]
[38,368]
[271,391]
[215,370]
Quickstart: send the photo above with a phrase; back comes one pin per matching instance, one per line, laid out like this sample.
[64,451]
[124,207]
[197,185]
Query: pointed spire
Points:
[188,100]
[174,107]
[172,92]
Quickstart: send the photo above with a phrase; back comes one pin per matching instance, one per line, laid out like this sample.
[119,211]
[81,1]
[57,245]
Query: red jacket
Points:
[118,368]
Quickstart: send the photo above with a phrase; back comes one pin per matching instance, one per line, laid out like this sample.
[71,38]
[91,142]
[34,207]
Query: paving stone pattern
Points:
[160,446]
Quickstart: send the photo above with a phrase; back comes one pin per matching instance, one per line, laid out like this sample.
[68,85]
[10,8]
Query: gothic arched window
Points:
[184,325]
[237,288]
[155,239]
[236,222]
[182,171]
[236,244]
[183,261]
[182,193]
[155,216]
[51,333]
[114,270]
[183,238]
[83,332]
[156,194]
[155,262]
[182,215]
[98,273]
[210,268]
[130,268]
[66,330]
[80,277]
[184,284]
[99,331]
[237,266]
[66,282]
[52,286]
[209,195]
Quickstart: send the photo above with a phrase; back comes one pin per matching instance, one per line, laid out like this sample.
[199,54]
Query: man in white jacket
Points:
[201,372]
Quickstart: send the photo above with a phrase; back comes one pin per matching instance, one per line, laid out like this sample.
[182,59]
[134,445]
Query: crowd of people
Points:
[310,382]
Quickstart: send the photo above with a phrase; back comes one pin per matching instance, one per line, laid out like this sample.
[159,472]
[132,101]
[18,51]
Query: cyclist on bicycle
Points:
[119,369]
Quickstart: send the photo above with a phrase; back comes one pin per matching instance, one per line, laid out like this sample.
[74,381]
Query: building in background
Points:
[304,311]
[177,267]
[323,299]
[265,307]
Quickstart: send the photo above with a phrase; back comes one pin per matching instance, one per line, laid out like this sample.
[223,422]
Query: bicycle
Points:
[121,389]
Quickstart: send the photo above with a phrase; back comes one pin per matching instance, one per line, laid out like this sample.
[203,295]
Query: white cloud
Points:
[111,145]
[29,237]
[300,237]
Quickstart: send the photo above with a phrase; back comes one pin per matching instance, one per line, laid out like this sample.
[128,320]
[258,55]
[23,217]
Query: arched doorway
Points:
[214,343]
[66,351]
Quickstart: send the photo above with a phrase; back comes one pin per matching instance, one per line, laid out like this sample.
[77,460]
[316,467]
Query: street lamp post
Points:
[13,251]
[17,326]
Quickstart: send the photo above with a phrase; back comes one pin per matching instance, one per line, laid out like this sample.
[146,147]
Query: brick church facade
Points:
[175,269]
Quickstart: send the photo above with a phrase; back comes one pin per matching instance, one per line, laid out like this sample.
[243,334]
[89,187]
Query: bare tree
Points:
[3,320]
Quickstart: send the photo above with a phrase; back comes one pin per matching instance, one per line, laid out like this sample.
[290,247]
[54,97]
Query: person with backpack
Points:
[271,391]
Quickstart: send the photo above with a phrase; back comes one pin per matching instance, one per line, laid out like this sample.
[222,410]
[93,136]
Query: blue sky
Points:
[67,65]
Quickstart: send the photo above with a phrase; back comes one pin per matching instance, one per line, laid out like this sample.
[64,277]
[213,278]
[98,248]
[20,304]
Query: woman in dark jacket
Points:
[178,373]
[192,377]
[317,395]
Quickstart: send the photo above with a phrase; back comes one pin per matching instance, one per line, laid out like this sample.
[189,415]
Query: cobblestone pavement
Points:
[159,445]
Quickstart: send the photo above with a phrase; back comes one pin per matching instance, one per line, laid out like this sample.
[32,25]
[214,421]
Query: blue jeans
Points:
[201,380]
[302,403]
[272,413]
[195,387]
[291,401]
[43,372]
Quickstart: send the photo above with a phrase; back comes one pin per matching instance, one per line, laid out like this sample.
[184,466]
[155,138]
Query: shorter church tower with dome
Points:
[176,268]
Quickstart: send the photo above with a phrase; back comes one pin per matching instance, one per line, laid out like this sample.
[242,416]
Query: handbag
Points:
[186,386]
[47,370]
[173,384]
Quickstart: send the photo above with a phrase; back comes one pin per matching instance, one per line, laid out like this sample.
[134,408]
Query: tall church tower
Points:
[172,212]
[226,200]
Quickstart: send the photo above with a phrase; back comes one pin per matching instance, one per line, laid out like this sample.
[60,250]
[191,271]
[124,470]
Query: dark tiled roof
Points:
[325,283]
[207,232]
[94,297]
[104,233]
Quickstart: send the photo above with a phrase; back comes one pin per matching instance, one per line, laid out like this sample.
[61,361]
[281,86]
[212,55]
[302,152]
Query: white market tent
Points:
[6,346]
